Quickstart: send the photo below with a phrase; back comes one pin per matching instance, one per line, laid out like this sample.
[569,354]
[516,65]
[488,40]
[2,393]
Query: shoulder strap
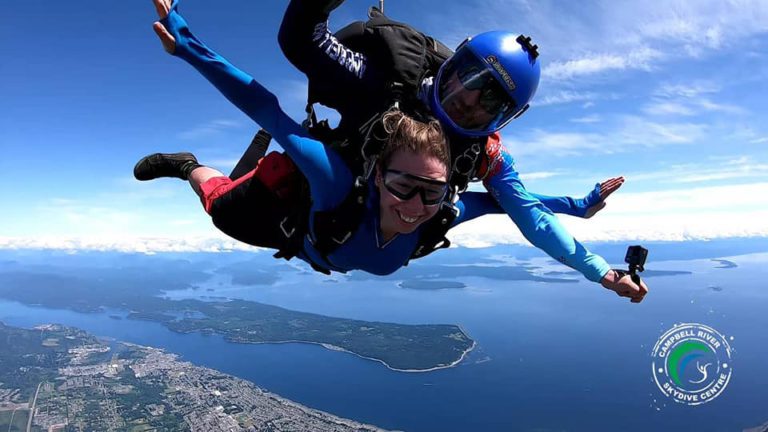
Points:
[334,227]
[468,156]
[432,236]
[256,150]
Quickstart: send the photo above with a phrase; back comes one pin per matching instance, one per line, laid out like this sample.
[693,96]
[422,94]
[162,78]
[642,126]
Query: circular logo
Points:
[692,363]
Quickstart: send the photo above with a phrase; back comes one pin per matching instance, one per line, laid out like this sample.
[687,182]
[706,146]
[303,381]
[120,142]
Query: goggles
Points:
[405,186]
[495,105]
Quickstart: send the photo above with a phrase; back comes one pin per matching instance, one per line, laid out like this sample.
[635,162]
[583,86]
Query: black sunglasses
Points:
[493,98]
[405,186]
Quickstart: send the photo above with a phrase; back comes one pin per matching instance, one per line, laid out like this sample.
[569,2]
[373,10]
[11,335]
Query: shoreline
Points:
[338,348]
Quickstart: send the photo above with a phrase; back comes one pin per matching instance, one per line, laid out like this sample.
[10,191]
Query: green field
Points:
[19,421]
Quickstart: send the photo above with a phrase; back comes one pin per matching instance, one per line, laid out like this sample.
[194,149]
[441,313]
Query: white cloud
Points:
[626,134]
[555,143]
[736,168]
[708,105]
[499,230]
[667,108]
[564,97]
[688,90]
[133,209]
[688,100]
[538,175]
[593,118]
[676,214]
[639,131]
[80,217]
[128,244]
[224,165]
[704,24]
[639,58]
[209,129]
[680,214]
[581,38]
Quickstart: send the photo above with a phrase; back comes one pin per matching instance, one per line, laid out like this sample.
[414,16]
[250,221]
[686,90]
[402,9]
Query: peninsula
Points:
[136,292]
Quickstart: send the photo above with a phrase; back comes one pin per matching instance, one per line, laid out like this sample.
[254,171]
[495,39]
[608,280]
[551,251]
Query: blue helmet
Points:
[488,82]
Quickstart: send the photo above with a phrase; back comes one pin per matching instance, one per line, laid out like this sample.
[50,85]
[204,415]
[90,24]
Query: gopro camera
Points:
[636,256]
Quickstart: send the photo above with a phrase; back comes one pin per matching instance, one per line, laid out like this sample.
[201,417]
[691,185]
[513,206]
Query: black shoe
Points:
[158,165]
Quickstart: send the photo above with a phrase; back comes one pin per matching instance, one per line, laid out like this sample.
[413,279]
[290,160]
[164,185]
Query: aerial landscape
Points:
[509,325]
[417,216]
[75,382]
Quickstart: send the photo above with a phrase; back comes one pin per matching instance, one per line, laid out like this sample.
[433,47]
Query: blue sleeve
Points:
[328,176]
[472,205]
[537,223]
[571,206]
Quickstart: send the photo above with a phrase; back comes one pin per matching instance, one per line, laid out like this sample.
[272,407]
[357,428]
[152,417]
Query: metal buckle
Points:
[344,240]
[472,154]
[285,232]
[451,207]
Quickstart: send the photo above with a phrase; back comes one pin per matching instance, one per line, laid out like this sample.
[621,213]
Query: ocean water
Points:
[565,355]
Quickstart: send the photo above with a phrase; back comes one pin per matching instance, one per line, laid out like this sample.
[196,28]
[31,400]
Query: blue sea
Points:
[555,352]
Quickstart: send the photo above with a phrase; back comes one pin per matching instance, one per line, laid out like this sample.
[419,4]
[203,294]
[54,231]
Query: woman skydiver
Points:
[409,181]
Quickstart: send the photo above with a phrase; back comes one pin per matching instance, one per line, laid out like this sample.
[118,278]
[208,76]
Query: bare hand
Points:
[607,187]
[624,286]
[163,9]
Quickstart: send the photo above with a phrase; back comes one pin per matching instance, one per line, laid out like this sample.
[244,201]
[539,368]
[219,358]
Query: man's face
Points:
[463,105]
[470,94]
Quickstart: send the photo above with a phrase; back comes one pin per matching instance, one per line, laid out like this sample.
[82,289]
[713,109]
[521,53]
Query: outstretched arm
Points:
[326,172]
[544,230]
[585,207]
[476,204]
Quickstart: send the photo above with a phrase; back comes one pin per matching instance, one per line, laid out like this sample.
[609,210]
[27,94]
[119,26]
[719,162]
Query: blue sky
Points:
[670,94]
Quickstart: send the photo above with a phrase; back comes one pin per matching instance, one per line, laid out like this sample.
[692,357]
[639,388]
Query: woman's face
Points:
[406,171]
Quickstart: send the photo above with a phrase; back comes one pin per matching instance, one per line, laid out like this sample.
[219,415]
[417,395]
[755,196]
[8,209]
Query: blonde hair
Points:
[407,133]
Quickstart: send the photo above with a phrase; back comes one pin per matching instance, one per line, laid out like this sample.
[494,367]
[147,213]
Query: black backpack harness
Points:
[406,57]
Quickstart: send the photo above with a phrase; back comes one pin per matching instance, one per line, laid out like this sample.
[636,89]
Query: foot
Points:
[601,192]
[157,165]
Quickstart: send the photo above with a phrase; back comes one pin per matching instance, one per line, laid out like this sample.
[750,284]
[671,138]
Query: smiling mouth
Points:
[407,219]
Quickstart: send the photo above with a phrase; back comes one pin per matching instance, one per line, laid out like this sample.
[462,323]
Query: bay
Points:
[551,356]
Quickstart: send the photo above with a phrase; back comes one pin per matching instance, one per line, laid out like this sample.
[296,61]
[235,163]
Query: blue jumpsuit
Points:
[330,180]
[309,45]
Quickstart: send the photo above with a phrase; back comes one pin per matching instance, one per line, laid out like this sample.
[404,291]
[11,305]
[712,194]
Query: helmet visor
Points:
[471,95]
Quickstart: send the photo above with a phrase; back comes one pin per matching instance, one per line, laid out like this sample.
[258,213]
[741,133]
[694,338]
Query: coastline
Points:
[338,348]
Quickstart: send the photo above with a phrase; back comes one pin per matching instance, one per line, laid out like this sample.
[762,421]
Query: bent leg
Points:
[244,209]
[201,175]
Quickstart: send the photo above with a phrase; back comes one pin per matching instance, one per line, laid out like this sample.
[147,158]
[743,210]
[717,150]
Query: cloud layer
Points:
[677,214]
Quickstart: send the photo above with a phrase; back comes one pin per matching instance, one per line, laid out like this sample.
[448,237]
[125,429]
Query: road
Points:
[32,409]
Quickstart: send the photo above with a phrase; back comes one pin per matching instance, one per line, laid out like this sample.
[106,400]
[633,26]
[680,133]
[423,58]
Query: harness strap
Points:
[256,150]
[432,236]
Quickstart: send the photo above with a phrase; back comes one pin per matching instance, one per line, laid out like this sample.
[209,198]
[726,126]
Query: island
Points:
[430,285]
[56,378]
[401,347]
[725,264]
